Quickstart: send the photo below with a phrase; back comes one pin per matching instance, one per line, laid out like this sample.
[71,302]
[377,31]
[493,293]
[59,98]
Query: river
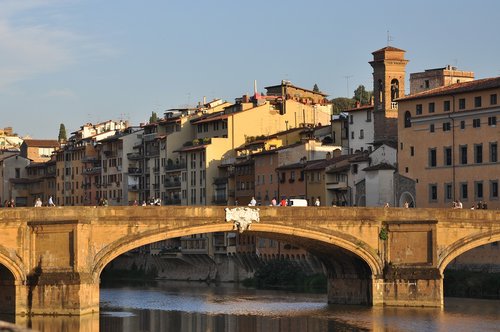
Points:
[198,307]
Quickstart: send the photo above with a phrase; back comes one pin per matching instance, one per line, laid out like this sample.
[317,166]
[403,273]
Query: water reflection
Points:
[178,307]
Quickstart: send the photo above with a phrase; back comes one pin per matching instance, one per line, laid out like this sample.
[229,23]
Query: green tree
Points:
[341,104]
[316,89]
[62,133]
[153,118]
[363,96]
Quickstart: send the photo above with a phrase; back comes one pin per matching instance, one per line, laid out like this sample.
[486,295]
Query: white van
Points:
[297,202]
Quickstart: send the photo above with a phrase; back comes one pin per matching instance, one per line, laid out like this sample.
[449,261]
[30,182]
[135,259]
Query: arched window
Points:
[394,89]
[407,119]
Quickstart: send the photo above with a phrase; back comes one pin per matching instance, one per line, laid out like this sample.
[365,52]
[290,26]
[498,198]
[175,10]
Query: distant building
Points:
[39,150]
[438,77]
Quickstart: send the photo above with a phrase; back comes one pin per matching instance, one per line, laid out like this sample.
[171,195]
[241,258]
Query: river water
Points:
[198,307]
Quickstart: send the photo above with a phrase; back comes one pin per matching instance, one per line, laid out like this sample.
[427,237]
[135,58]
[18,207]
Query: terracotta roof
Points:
[379,167]
[210,118]
[42,143]
[192,148]
[388,48]
[323,163]
[360,108]
[476,85]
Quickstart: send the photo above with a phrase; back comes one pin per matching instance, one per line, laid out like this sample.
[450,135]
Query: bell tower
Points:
[389,67]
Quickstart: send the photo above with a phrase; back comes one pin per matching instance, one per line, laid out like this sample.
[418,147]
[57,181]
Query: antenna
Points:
[347,77]
[389,38]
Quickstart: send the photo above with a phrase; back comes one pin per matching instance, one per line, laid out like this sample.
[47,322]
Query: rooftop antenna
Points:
[389,38]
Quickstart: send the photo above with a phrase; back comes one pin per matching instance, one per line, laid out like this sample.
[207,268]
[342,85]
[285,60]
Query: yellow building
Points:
[448,143]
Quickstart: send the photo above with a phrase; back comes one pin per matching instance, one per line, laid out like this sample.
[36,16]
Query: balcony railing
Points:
[172,183]
[175,167]
[172,201]
[92,170]
[134,170]
[133,187]
[134,156]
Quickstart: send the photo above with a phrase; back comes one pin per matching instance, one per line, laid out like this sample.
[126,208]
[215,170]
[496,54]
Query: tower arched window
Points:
[394,90]
[407,119]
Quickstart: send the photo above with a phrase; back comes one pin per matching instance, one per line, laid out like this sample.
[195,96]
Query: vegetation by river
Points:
[472,284]
[285,274]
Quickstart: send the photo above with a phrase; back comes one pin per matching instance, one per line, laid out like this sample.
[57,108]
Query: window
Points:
[494,189]
[446,126]
[401,145]
[493,152]
[462,124]
[461,104]
[476,123]
[431,107]
[463,154]
[478,153]
[407,119]
[446,106]
[412,151]
[352,134]
[354,168]
[433,192]
[351,119]
[448,192]
[493,99]
[419,109]
[368,116]
[492,121]
[426,84]
[18,173]
[361,134]
[200,128]
[478,190]
[431,128]
[447,156]
[464,194]
[477,101]
[432,157]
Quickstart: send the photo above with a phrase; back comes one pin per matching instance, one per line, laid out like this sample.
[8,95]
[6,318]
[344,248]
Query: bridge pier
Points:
[410,287]
[62,293]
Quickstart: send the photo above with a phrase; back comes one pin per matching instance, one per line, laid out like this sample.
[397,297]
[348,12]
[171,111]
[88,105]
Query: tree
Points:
[62,133]
[363,96]
[316,89]
[153,118]
[341,104]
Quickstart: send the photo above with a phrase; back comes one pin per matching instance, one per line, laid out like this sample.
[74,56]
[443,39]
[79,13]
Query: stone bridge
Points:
[51,258]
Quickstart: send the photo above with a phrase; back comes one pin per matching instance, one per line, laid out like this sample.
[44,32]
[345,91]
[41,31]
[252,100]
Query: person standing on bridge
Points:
[51,202]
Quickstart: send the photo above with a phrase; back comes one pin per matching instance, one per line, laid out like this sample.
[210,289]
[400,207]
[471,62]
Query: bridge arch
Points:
[355,246]
[464,245]
[15,266]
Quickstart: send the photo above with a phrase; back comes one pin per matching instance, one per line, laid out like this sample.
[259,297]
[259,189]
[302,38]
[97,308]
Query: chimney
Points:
[358,104]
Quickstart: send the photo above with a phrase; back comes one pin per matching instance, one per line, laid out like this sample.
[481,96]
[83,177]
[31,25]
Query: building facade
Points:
[448,143]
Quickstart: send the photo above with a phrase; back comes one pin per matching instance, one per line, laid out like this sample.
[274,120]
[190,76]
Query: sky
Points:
[80,61]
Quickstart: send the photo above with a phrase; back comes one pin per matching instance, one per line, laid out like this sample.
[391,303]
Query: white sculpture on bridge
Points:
[242,217]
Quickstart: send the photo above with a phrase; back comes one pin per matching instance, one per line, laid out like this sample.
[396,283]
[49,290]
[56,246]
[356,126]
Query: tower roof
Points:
[388,48]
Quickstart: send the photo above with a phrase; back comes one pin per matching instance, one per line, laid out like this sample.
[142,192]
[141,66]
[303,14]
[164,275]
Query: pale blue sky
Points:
[77,61]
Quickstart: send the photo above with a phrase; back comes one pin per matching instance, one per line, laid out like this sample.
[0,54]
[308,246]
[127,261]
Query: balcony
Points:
[134,156]
[149,137]
[133,187]
[220,200]
[336,185]
[220,180]
[134,170]
[172,183]
[92,170]
[172,201]
[175,167]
